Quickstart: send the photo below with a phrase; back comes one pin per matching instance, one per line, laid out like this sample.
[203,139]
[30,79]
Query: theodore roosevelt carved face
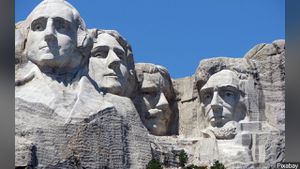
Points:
[155,97]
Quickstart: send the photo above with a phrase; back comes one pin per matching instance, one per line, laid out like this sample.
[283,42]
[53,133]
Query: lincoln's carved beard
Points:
[228,131]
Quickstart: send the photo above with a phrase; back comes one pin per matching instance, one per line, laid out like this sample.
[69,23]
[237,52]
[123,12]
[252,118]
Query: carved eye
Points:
[150,94]
[38,25]
[207,96]
[61,25]
[228,94]
[119,53]
[147,93]
[100,54]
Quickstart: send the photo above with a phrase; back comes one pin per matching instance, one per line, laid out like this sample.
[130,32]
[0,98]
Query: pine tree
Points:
[217,165]
[183,158]
[154,164]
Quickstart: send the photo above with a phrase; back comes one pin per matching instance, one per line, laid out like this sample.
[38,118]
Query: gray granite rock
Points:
[63,118]
[81,102]
[259,139]
[155,99]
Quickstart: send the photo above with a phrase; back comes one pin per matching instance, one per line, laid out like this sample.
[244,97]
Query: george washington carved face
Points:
[52,37]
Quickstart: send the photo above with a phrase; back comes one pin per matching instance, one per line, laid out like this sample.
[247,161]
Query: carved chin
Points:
[42,59]
[228,131]
[111,84]
[157,129]
[115,89]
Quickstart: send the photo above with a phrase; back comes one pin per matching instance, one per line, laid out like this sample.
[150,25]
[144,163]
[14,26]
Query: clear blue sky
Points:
[179,33]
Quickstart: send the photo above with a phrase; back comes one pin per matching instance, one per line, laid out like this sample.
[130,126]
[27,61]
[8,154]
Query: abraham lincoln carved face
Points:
[220,97]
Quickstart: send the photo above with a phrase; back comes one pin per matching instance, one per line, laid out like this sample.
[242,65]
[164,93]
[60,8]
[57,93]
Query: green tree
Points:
[183,158]
[217,165]
[154,164]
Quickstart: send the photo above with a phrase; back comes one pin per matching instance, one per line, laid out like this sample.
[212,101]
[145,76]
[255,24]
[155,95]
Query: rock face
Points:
[106,139]
[155,99]
[81,102]
[259,141]
[66,117]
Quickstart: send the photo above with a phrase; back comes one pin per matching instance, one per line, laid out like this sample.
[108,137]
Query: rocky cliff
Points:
[81,101]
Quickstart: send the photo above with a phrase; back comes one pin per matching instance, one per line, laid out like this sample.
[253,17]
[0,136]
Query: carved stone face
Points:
[220,97]
[155,94]
[108,64]
[52,38]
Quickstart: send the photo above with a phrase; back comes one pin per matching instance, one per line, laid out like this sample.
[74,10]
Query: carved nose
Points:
[50,31]
[216,103]
[162,102]
[113,60]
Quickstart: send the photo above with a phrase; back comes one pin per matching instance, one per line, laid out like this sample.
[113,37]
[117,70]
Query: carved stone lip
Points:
[48,47]
[42,47]
[111,75]
[154,112]
[214,118]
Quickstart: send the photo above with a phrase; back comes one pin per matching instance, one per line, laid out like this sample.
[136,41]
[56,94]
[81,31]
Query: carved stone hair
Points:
[150,68]
[122,41]
[207,68]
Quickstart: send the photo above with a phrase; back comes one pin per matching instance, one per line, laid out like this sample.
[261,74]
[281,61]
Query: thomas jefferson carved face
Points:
[220,97]
[52,37]
[108,64]
[155,97]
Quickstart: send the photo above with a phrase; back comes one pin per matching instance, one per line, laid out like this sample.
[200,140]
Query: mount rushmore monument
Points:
[82,102]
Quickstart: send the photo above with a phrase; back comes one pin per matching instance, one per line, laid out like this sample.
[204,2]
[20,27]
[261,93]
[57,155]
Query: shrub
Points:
[183,158]
[154,164]
[217,165]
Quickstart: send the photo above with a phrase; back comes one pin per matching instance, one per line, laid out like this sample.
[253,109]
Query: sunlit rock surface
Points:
[82,102]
